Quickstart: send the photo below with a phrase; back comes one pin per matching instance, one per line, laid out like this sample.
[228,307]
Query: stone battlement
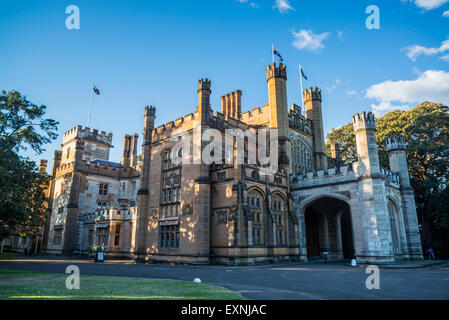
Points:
[364,121]
[204,84]
[393,143]
[312,94]
[87,134]
[390,177]
[276,71]
[323,177]
[97,169]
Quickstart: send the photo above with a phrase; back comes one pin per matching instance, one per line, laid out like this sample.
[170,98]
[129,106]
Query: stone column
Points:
[395,146]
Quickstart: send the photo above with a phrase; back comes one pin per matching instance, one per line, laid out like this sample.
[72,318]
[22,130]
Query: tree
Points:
[22,197]
[426,131]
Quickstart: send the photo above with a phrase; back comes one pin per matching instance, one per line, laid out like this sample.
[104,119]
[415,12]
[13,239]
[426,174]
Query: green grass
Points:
[26,285]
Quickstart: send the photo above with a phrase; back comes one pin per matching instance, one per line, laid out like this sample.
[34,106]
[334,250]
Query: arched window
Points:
[394,224]
[256,208]
[278,208]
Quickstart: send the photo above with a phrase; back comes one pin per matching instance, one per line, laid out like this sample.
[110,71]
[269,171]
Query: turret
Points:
[125,156]
[367,151]
[277,101]
[312,104]
[395,146]
[150,117]
[204,92]
[133,150]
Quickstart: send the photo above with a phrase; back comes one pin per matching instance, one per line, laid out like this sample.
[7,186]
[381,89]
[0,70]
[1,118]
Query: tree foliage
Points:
[426,131]
[22,196]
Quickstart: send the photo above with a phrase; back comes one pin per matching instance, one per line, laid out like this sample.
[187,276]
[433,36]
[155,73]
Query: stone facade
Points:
[92,200]
[175,207]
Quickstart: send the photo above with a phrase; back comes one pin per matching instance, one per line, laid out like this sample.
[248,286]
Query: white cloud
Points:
[446,14]
[353,93]
[284,6]
[432,85]
[445,58]
[251,4]
[415,51]
[385,107]
[429,4]
[334,85]
[307,40]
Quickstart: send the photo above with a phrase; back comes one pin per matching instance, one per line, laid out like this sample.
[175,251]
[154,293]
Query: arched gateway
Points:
[328,229]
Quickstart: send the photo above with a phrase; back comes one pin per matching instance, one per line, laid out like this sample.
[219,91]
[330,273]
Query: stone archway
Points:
[328,228]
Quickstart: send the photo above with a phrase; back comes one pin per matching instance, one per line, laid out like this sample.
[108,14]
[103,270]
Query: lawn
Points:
[25,285]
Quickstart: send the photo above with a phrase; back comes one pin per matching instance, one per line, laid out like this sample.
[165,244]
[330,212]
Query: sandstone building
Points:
[177,208]
[92,200]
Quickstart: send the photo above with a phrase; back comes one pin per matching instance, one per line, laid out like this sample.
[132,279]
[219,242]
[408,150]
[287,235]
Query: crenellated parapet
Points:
[393,143]
[312,94]
[342,174]
[364,121]
[87,133]
[276,71]
[204,84]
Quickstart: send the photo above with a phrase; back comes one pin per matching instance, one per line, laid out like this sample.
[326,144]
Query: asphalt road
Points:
[286,282]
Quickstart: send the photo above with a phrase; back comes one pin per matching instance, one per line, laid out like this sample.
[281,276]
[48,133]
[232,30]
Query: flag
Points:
[302,73]
[96,90]
[278,54]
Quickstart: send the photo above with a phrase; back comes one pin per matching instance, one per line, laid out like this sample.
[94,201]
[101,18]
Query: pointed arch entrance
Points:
[328,228]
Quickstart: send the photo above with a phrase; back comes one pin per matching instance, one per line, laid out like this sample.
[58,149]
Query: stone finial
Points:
[274,71]
[204,84]
[150,111]
[311,94]
[364,121]
[396,142]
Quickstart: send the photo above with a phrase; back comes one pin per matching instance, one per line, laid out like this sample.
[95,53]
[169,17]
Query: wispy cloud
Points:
[283,6]
[307,40]
[352,93]
[446,14]
[334,85]
[431,85]
[416,50]
[427,4]
[250,3]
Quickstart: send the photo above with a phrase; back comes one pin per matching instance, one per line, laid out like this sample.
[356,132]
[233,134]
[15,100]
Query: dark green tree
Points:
[426,130]
[22,185]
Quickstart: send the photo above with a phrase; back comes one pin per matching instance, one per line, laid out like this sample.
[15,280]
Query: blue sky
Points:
[153,52]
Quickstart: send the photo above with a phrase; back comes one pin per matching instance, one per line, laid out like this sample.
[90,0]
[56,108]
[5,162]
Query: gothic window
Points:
[57,237]
[102,236]
[103,189]
[171,183]
[169,236]
[278,208]
[117,235]
[394,223]
[256,208]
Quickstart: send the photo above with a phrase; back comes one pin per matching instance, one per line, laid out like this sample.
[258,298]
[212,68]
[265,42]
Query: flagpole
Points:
[90,107]
[300,81]
[272,51]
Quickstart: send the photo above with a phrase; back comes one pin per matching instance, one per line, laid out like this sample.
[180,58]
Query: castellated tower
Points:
[277,100]
[312,104]
[373,208]
[367,152]
[204,100]
[143,192]
[395,146]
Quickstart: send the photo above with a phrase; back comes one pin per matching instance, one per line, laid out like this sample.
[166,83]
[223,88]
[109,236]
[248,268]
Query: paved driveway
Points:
[295,281]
